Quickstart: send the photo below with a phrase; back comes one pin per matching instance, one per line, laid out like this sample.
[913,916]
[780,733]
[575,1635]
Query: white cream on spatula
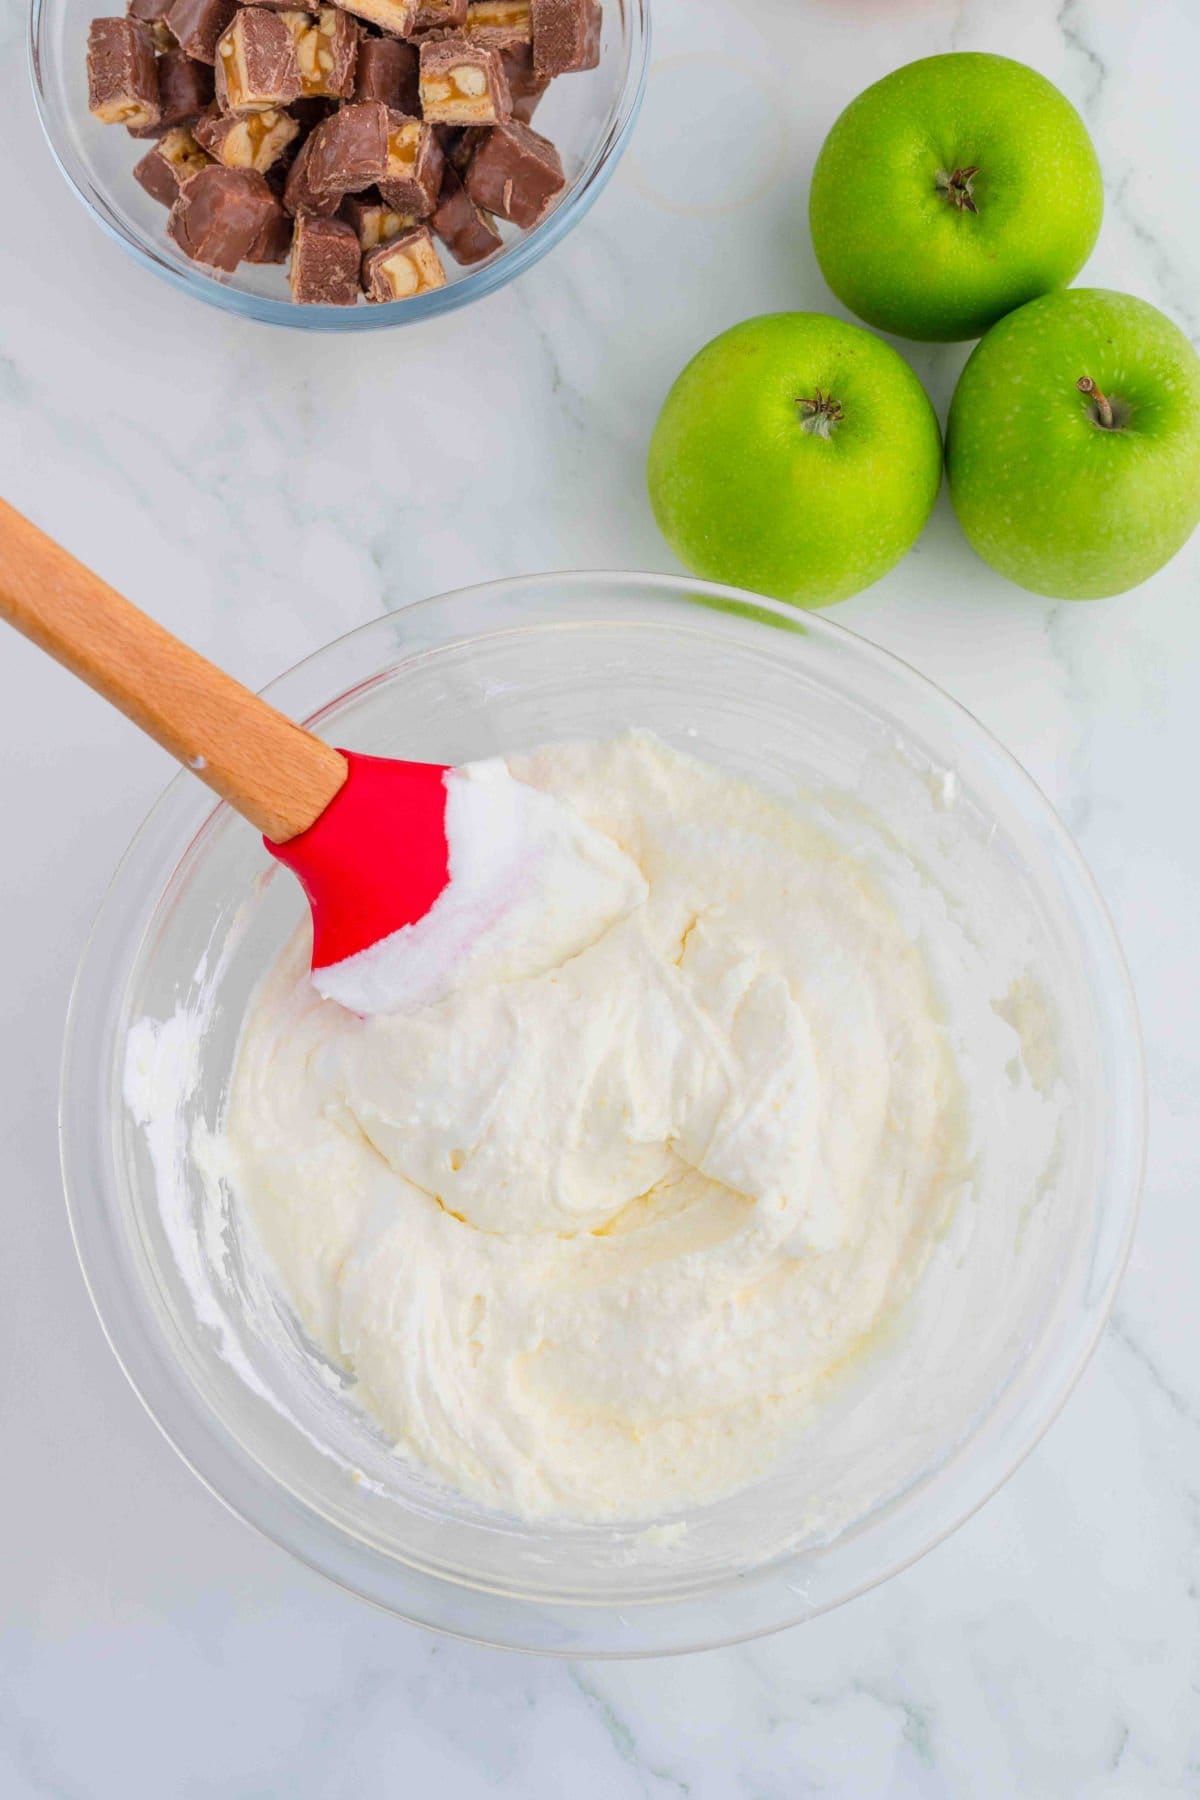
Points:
[531,885]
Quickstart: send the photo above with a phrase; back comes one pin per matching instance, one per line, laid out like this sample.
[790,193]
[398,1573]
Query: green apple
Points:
[954,190]
[796,455]
[1073,445]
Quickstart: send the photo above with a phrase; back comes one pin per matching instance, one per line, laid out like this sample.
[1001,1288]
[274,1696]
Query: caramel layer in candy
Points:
[256,62]
[344,154]
[375,222]
[153,15]
[412,179]
[469,234]
[197,24]
[122,77]
[566,35]
[439,15]
[219,214]
[462,83]
[326,256]
[326,51]
[504,24]
[524,83]
[397,17]
[408,266]
[185,88]
[515,173]
[174,159]
[247,140]
[387,71]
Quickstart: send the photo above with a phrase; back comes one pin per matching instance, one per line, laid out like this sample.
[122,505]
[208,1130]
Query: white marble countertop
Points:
[256,490]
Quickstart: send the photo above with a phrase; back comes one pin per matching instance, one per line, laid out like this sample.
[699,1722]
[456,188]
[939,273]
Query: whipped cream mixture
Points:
[594,1228]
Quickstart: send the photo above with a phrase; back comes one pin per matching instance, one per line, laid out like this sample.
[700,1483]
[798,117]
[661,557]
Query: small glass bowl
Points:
[1036,999]
[588,116]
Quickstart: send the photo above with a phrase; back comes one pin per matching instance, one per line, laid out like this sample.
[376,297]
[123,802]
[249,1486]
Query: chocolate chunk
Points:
[220,214]
[345,153]
[197,24]
[516,174]
[412,179]
[396,17]
[122,77]
[174,159]
[373,221]
[185,88]
[153,15]
[524,83]
[326,51]
[408,266]
[326,256]
[387,71]
[469,234]
[463,83]
[439,15]
[566,35]
[504,24]
[256,62]
[247,140]
[274,240]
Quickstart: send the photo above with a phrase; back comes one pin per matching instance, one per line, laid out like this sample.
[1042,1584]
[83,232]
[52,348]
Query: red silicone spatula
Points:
[365,835]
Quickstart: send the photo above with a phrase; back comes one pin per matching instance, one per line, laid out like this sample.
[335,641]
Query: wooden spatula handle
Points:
[271,771]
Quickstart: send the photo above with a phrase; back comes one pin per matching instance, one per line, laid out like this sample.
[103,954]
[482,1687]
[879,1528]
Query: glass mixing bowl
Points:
[588,116]
[1016,1291]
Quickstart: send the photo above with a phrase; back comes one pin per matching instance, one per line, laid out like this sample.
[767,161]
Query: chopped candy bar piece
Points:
[524,83]
[396,17]
[463,83]
[516,174]
[122,77]
[504,24]
[197,24]
[274,240]
[308,6]
[256,62]
[439,15]
[174,159]
[247,140]
[387,71]
[412,180]
[153,15]
[566,35]
[326,51]
[408,266]
[326,256]
[374,222]
[345,153]
[219,215]
[185,88]
[467,233]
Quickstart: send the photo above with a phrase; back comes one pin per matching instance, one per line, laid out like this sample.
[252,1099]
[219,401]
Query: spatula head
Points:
[377,858]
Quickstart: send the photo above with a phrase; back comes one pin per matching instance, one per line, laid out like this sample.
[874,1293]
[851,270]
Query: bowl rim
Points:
[514,260]
[766,1599]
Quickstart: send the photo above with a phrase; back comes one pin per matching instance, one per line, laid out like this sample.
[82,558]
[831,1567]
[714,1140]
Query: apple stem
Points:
[1100,402]
[958,187]
[820,413]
